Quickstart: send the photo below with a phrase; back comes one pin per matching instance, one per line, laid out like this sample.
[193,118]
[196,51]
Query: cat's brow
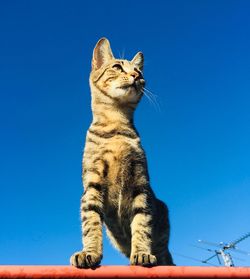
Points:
[118,62]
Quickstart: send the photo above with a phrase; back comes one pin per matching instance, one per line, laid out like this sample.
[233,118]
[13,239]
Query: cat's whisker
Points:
[122,54]
[119,55]
[151,93]
[151,101]
[152,98]
[155,98]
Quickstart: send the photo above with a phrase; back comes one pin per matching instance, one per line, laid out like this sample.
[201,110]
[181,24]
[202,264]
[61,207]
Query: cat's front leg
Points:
[141,230]
[92,217]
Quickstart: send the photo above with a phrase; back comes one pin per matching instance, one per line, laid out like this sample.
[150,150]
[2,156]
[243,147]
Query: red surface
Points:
[123,272]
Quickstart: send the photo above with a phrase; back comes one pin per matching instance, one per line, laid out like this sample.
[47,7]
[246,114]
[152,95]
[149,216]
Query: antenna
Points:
[193,259]
[222,251]
[232,244]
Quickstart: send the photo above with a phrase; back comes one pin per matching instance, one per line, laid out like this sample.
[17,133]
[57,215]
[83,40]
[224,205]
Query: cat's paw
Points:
[83,259]
[143,259]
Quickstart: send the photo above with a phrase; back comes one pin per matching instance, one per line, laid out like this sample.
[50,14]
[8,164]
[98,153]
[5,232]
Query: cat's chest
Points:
[113,153]
[114,149]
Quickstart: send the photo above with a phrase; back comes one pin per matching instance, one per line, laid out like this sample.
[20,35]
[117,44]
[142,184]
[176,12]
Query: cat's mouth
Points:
[128,86]
[136,85]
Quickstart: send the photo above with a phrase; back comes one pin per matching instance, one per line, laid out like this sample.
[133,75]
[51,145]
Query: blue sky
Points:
[198,143]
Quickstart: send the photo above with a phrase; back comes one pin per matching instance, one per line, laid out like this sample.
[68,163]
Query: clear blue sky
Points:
[197,61]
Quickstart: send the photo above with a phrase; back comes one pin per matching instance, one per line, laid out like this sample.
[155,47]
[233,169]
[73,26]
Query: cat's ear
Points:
[102,53]
[138,60]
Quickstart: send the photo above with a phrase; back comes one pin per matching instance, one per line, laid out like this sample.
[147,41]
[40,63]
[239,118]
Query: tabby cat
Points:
[115,175]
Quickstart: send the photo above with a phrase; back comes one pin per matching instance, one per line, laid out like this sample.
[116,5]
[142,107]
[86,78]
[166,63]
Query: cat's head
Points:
[117,80]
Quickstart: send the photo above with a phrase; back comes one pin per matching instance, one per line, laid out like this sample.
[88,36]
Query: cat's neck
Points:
[105,111]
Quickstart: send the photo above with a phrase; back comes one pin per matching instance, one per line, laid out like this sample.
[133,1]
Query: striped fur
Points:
[117,191]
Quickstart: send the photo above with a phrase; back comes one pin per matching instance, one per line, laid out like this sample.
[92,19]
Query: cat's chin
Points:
[127,94]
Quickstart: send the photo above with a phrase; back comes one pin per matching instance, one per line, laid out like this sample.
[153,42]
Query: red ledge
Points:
[123,272]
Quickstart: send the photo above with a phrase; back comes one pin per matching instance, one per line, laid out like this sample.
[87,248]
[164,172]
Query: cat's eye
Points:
[117,67]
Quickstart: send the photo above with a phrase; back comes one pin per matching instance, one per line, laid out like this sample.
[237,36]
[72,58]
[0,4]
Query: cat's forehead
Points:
[127,65]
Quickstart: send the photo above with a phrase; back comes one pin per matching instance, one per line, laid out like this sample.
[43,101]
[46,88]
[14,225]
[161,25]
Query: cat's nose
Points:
[135,75]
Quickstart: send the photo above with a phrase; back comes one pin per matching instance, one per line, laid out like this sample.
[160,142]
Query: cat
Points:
[115,174]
